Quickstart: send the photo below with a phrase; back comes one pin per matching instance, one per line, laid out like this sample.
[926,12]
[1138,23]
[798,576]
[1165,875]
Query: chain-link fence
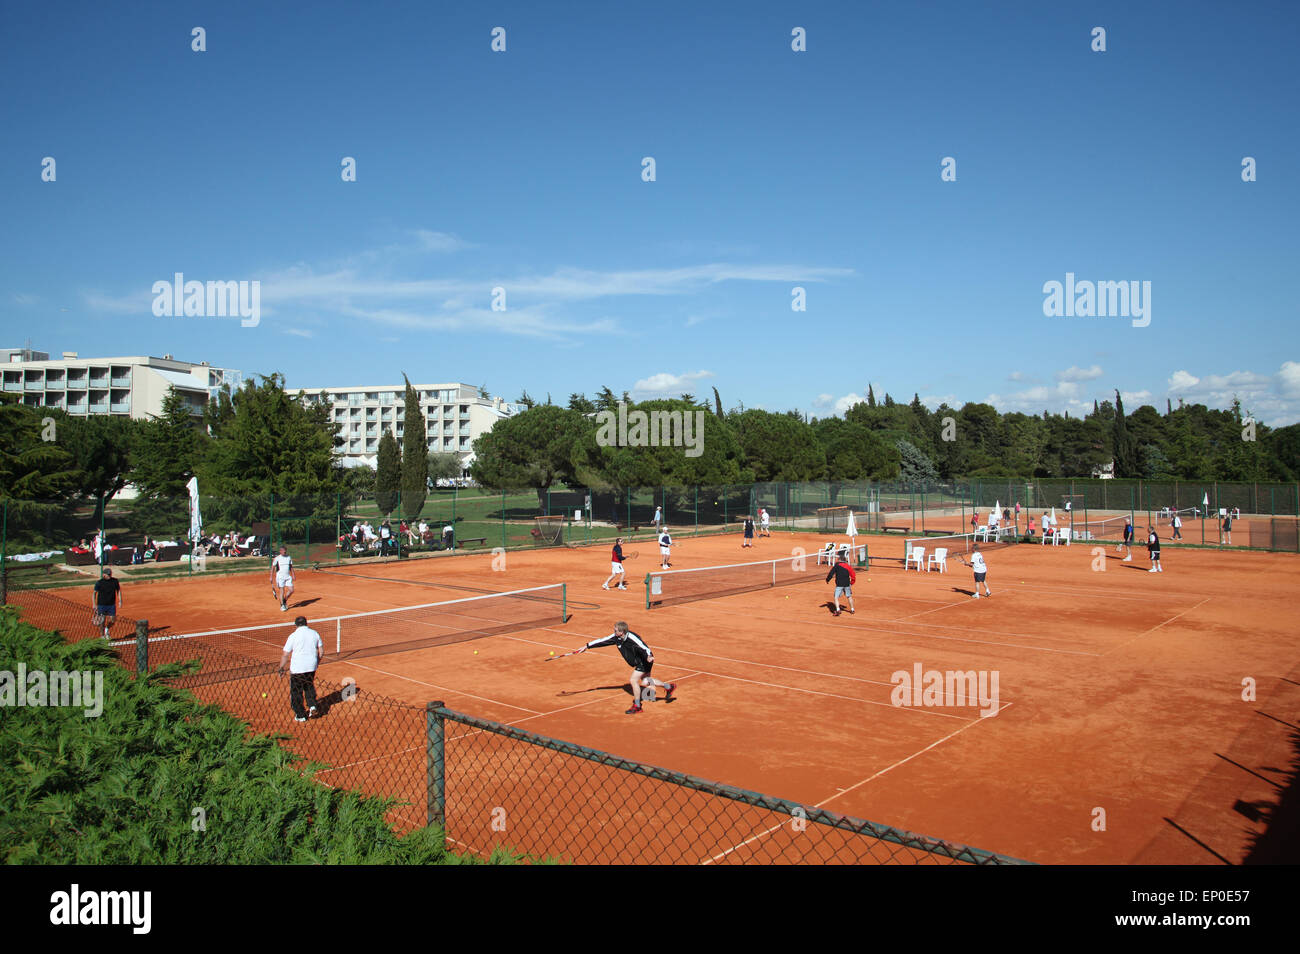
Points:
[492,785]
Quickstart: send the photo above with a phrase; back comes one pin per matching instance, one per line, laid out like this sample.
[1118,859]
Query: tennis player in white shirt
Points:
[981,569]
[282,578]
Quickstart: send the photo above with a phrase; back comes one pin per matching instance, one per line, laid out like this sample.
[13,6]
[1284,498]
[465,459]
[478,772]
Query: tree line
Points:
[550,444]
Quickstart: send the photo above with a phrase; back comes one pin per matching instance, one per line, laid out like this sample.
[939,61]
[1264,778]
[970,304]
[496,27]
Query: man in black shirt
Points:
[637,655]
[106,599]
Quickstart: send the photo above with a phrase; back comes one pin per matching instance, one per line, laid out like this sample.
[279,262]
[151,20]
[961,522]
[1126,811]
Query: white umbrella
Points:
[852,529]
[196,518]
[1053,516]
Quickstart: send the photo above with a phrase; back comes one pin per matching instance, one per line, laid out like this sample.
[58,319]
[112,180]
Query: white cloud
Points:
[1272,398]
[665,384]
[1133,399]
[431,241]
[1076,374]
[300,332]
[1018,376]
[823,400]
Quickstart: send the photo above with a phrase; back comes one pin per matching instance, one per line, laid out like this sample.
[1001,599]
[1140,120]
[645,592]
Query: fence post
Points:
[697,510]
[503,518]
[141,646]
[436,782]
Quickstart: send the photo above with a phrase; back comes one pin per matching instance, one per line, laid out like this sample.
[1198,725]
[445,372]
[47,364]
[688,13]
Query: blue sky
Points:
[775,169]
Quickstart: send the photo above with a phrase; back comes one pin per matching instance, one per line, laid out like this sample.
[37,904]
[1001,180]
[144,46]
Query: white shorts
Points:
[615,567]
[282,581]
[665,550]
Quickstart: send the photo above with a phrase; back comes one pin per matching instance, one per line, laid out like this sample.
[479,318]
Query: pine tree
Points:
[415,455]
[717,403]
[871,397]
[388,474]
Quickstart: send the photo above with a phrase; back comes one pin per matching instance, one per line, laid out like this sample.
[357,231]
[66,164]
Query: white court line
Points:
[745,662]
[959,639]
[433,685]
[777,685]
[842,791]
[1158,625]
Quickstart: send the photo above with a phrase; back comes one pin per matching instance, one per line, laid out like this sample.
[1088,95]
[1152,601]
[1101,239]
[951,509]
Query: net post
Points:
[338,636]
[564,602]
[141,646]
[4,554]
[647,591]
[436,767]
[697,510]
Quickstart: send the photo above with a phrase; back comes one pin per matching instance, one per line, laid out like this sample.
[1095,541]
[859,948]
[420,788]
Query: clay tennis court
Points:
[1119,733]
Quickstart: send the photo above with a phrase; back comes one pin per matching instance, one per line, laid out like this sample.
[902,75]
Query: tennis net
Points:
[1111,528]
[962,542]
[667,587]
[247,651]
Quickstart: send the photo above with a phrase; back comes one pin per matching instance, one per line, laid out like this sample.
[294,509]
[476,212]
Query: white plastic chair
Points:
[917,556]
[826,553]
[938,558]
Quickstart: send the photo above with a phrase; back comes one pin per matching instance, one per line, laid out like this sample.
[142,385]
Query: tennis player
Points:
[749,533]
[980,568]
[616,567]
[764,522]
[106,599]
[282,577]
[844,579]
[1226,536]
[1128,539]
[637,654]
[665,547]
[1153,549]
[1178,526]
[302,652]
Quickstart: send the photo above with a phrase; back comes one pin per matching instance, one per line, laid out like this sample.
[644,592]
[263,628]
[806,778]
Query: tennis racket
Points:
[562,655]
[631,556]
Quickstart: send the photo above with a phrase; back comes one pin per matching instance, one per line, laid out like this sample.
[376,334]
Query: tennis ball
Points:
[264,695]
[553,651]
[476,652]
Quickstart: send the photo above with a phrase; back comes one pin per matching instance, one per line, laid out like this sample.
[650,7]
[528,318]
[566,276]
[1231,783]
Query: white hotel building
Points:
[454,415]
[127,387]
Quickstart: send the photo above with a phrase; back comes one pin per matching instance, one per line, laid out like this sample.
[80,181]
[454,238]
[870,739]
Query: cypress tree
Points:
[388,473]
[415,455]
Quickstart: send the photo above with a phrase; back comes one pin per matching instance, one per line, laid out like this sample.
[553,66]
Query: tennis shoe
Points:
[283,607]
[622,586]
[636,708]
[604,586]
[975,596]
[299,718]
[1160,569]
[668,691]
[1152,570]
[311,712]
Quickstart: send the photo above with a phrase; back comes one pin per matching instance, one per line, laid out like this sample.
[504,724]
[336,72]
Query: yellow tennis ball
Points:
[553,651]
[476,652]
[264,695]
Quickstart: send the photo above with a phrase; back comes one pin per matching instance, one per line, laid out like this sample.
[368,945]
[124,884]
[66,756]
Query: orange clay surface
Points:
[1120,732]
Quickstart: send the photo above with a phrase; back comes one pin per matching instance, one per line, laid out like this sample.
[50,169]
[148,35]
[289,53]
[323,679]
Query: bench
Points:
[465,540]
[79,559]
[937,533]
[896,529]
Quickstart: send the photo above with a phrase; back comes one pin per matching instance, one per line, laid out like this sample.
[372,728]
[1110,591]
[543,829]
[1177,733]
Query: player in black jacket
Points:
[844,579]
[637,655]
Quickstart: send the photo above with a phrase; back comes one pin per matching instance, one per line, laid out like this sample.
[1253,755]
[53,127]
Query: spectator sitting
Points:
[80,547]
[1030,532]
[425,533]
